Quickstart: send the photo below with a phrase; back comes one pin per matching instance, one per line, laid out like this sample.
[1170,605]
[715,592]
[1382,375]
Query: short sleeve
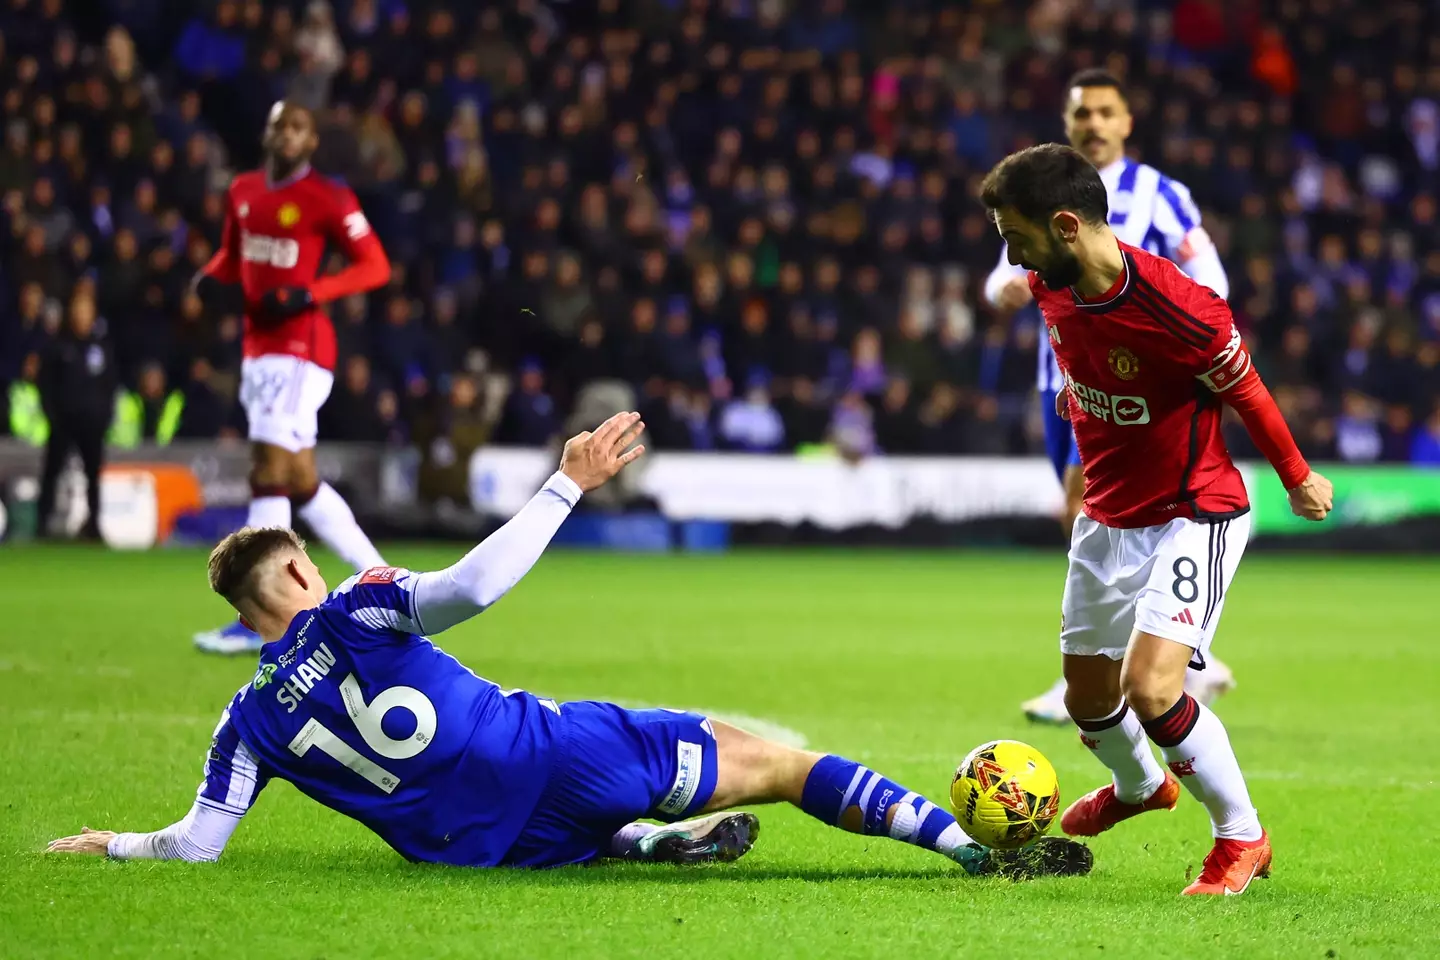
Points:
[349,227]
[381,598]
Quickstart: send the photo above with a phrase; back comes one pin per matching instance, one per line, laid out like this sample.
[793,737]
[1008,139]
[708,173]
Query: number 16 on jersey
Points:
[368,717]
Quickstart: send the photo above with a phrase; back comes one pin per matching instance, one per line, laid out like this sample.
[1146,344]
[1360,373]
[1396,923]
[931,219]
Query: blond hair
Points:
[235,559]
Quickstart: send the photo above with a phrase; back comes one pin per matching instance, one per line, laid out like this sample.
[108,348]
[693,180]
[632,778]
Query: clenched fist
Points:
[1314,498]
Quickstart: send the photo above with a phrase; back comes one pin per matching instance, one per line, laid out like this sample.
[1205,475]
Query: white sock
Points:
[1197,748]
[1118,741]
[269,512]
[624,843]
[329,516]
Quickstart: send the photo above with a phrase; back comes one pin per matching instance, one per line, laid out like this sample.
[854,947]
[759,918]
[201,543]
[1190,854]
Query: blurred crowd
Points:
[755,219]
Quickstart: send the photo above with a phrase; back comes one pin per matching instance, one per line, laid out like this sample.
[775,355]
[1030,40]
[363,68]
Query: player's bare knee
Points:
[1092,704]
[269,474]
[304,477]
[1149,692]
[1092,686]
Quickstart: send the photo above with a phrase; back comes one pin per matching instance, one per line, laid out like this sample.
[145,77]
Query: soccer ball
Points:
[1005,794]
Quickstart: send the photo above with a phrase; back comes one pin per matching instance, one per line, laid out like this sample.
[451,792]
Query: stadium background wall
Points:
[709,501]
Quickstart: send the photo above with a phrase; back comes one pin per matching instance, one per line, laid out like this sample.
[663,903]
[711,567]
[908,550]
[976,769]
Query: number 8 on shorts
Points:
[1167,580]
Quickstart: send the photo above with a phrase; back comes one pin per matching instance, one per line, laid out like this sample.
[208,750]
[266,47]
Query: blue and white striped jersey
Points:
[1147,210]
[357,708]
[363,714]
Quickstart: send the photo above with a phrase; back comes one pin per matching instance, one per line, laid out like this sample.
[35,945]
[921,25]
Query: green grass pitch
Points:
[903,661]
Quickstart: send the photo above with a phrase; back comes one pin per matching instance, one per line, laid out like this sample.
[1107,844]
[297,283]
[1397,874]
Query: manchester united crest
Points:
[1124,364]
[289,215]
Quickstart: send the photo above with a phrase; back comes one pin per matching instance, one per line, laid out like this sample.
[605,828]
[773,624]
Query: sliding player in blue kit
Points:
[353,705]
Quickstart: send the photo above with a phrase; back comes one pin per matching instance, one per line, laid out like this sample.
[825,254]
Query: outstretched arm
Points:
[233,779]
[485,574]
[200,837]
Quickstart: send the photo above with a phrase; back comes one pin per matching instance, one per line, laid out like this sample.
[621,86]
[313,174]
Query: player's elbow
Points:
[486,592]
[383,271]
[377,267]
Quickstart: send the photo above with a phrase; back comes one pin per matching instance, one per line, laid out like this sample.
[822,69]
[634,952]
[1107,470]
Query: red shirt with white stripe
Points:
[1146,369]
[276,235]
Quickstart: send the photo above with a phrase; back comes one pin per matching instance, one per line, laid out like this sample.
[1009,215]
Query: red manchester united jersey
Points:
[276,236]
[1144,367]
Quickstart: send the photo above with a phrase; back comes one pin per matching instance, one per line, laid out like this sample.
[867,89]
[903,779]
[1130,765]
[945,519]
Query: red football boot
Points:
[1230,867]
[1099,810]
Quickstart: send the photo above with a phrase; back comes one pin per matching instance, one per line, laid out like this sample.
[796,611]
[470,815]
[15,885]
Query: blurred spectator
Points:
[352,414]
[204,412]
[447,440]
[1425,448]
[530,417]
[77,382]
[714,191]
[149,413]
[751,423]
[852,429]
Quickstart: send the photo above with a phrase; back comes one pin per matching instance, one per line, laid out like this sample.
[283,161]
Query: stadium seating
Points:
[757,216]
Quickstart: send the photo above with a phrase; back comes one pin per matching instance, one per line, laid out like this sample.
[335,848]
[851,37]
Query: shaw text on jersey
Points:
[311,671]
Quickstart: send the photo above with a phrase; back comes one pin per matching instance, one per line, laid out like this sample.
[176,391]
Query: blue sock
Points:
[847,795]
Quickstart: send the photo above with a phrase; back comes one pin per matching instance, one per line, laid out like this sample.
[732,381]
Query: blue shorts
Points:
[615,766]
[1059,437]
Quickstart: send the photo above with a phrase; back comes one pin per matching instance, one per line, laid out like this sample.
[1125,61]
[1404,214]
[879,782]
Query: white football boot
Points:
[1049,707]
[232,639]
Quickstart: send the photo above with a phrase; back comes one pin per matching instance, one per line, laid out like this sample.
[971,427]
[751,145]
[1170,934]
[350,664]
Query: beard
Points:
[1062,269]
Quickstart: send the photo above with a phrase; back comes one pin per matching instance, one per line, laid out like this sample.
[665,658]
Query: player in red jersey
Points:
[1148,358]
[278,223]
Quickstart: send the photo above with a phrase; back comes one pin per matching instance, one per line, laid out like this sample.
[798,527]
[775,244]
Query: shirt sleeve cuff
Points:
[121,846]
[568,489]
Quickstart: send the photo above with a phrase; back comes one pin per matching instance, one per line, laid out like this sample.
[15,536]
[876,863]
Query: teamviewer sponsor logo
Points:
[690,765]
[1123,411]
[279,252]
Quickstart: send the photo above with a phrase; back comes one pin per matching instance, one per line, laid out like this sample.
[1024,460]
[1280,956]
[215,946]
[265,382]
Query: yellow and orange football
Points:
[1005,794]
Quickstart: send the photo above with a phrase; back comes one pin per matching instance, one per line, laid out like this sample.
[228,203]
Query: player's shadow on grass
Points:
[609,873]
[357,865]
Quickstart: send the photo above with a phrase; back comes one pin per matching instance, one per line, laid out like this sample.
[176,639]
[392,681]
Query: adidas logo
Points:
[1184,617]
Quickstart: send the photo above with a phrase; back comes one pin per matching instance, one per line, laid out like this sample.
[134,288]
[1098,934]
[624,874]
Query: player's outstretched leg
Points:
[714,838]
[850,796]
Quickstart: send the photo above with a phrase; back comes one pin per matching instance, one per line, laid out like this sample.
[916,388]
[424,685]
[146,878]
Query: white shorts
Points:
[282,396]
[1168,581]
